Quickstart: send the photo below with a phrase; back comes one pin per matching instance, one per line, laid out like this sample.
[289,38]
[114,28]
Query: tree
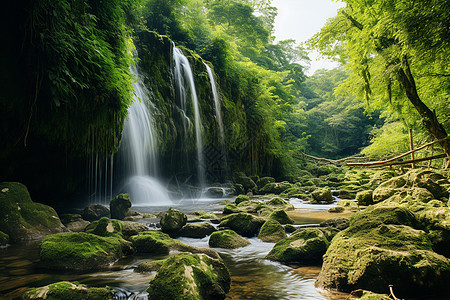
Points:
[394,48]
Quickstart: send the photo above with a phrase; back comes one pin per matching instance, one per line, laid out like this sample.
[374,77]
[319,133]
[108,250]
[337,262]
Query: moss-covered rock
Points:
[119,206]
[275,187]
[197,230]
[263,181]
[278,203]
[243,223]
[21,218]
[130,228]
[336,209]
[227,239]
[322,195]
[364,198]
[251,206]
[231,209]
[186,276]
[94,212]
[247,183]
[241,198]
[172,221]
[271,232]
[384,245]
[158,242]
[67,290]
[82,251]
[105,227]
[281,217]
[349,205]
[338,223]
[305,247]
[203,215]
[346,194]
[4,239]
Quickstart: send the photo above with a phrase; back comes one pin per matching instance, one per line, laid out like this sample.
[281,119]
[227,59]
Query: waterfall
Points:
[216,103]
[139,146]
[184,79]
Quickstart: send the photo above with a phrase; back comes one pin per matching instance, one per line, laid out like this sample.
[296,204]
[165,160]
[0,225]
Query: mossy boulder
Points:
[4,239]
[251,206]
[231,209]
[271,232]
[82,251]
[245,224]
[322,195]
[305,247]
[346,194]
[203,215]
[278,203]
[74,222]
[105,227]
[187,276]
[94,212]
[158,242]
[336,209]
[275,187]
[130,228]
[264,180]
[364,198]
[214,192]
[197,230]
[247,183]
[227,239]
[67,290]
[338,223]
[149,266]
[21,218]
[348,204]
[384,245]
[172,221]
[119,206]
[281,217]
[241,198]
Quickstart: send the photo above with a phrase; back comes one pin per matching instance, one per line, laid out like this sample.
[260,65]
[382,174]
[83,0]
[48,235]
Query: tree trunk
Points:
[429,118]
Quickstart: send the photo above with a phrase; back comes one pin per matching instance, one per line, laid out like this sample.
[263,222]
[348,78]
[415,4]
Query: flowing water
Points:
[184,81]
[216,104]
[139,150]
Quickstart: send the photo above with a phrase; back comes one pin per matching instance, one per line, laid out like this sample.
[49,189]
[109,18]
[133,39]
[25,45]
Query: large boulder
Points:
[271,232]
[74,222]
[364,197]
[230,208]
[158,242]
[251,206]
[384,246]
[21,218]
[197,230]
[275,187]
[187,276]
[305,247]
[338,223]
[82,251]
[241,198]
[214,192]
[281,217]
[263,181]
[105,227]
[322,195]
[119,206]
[227,239]
[130,228]
[68,290]
[172,221]
[278,203]
[94,212]
[245,224]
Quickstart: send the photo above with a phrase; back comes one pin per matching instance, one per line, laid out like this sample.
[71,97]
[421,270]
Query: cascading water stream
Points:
[184,79]
[216,103]
[140,150]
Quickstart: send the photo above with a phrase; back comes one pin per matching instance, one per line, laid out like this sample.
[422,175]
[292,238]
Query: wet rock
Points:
[130,228]
[264,180]
[251,206]
[305,247]
[197,230]
[158,242]
[21,218]
[149,266]
[364,198]
[188,276]
[289,228]
[82,251]
[105,227]
[231,209]
[278,203]
[203,215]
[322,195]
[95,212]
[172,221]
[74,222]
[245,224]
[68,290]
[338,223]
[241,198]
[214,192]
[227,239]
[384,245]
[119,206]
[281,217]
[271,232]
[246,182]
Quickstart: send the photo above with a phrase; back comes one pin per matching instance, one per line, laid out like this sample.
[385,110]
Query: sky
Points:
[300,20]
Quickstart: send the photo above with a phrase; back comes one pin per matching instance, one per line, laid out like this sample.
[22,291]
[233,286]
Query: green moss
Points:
[305,247]
[186,276]
[105,227]
[281,217]
[149,266]
[172,221]
[227,239]
[278,203]
[271,231]
[68,290]
[4,239]
[322,195]
[364,197]
[243,223]
[231,209]
[250,206]
[241,198]
[82,251]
